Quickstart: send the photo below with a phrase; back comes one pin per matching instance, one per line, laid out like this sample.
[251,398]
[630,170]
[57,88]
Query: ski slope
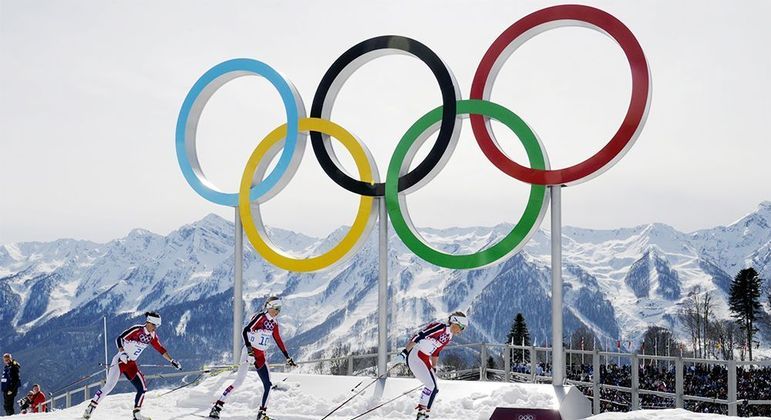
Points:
[301,397]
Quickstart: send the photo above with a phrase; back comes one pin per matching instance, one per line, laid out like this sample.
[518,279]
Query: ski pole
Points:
[82,378]
[357,385]
[362,390]
[157,366]
[275,386]
[387,402]
[183,385]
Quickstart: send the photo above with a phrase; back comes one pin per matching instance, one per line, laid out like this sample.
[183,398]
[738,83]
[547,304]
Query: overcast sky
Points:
[90,92]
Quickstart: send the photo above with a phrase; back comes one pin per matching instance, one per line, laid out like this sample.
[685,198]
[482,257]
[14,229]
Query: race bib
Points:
[260,341]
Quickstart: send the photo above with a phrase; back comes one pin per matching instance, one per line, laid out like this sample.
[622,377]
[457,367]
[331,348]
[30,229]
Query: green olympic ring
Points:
[537,202]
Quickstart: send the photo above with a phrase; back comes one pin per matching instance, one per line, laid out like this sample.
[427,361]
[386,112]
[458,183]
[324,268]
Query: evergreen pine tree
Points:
[517,335]
[744,302]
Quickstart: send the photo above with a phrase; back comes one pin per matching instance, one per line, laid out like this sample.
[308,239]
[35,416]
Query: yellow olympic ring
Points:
[365,215]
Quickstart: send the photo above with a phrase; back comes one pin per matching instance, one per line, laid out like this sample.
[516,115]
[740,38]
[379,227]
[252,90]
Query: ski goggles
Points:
[460,320]
[274,304]
[155,320]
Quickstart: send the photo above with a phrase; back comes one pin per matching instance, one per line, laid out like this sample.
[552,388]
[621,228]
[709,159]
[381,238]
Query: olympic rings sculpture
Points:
[290,139]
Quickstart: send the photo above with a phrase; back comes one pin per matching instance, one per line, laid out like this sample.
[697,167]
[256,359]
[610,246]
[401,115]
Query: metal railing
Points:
[352,365]
[85,390]
[536,374]
[679,396]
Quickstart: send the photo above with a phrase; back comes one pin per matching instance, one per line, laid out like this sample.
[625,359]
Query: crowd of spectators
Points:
[710,381]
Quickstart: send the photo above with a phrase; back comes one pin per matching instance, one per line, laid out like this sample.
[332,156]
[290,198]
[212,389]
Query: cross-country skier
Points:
[422,354]
[131,343]
[257,335]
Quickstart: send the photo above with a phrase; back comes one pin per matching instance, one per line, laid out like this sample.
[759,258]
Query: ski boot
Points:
[422,412]
[262,416]
[139,416]
[215,411]
[89,410]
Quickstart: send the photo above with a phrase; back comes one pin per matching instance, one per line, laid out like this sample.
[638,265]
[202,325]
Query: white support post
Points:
[596,393]
[106,362]
[483,362]
[382,291]
[679,383]
[238,288]
[635,369]
[507,354]
[732,408]
[558,362]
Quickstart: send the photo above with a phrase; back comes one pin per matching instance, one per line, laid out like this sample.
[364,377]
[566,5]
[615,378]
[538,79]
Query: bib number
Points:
[261,341]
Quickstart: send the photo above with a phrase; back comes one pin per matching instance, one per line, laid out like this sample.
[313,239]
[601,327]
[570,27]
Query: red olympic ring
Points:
[523,30]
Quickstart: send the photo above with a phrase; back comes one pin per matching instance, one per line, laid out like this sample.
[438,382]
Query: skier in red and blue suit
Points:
[422,353]
[131,343]
[257,335]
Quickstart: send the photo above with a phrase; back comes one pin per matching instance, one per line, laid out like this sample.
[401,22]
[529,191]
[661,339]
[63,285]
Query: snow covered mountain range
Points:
[617,282]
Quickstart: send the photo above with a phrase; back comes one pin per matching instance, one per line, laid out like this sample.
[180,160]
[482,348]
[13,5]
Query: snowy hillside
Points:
[617,282]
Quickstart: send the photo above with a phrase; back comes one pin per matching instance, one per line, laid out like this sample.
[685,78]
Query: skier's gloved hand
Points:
[123,357]
[403,354]
[176,364]
[290,362]
[250,355]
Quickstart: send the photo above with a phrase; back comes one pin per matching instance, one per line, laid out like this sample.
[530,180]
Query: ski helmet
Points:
[460,319]
[153,318]
[273,302]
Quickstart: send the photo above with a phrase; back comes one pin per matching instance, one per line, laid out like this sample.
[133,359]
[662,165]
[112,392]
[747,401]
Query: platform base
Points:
[573,405]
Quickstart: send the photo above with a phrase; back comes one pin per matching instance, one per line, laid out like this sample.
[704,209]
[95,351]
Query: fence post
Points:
[679,382]
[507,363]
[350,365]
[533,357]
[732,408]
[483,364]
[86,396]
[596,381]
[635,369]
[68,400]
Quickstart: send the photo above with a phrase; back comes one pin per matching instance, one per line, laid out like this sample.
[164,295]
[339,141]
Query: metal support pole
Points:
[596,381]
[679,382]
[558,362]
[106,363]
[507,363]
[635,382]
[732,408]
[238,288]
[533,362]
[483,362]
[350,365]
[382,291]
[67,400]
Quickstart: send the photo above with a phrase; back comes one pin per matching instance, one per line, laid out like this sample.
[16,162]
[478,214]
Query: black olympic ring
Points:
[336,76]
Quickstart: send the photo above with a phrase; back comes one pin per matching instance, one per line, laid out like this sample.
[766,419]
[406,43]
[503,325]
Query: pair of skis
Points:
[363,389]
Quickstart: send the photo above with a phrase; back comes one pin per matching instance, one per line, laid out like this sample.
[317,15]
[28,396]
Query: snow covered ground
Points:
[313,396]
